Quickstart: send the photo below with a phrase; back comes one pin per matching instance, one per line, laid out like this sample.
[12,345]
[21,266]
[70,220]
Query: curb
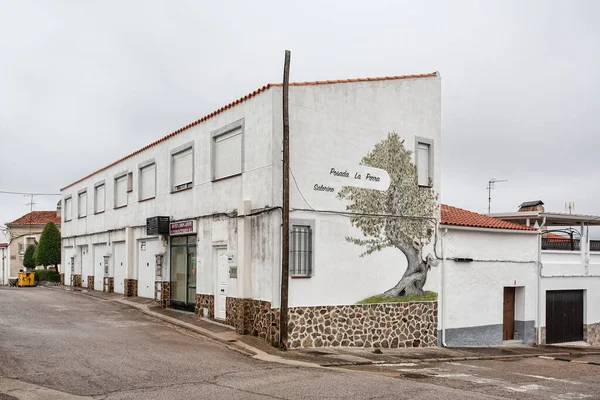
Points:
[572,361]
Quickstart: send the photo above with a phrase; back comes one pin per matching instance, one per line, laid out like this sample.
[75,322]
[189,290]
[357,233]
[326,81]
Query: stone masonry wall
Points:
[109,284]
[76,280]
[130,288]
[205,301]
[592,334]
[90,282]
[389,325]
[253,317]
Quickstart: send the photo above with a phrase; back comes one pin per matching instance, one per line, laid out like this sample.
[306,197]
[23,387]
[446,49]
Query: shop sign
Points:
[182,228]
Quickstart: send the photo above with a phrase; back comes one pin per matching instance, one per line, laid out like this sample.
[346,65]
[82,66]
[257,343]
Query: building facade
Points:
[219,183]
[25,231]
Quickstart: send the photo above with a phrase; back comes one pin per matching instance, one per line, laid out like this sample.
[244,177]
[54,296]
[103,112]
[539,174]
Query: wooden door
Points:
[564,316]
[508,326]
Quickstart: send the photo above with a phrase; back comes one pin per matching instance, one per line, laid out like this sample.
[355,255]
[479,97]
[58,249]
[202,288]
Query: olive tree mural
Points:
[410,211]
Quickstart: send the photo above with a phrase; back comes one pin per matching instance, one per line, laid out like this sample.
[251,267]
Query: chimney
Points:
[535,205]
[58,208]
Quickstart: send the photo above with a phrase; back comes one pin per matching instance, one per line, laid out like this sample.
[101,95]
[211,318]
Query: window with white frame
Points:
[147,181]
[182,168]
[100,198]
[301,250]
[82,204]
[68,208]
[121,191]
[227,150]
[424,161]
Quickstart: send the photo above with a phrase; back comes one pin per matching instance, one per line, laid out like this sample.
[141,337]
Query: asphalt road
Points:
[58,345]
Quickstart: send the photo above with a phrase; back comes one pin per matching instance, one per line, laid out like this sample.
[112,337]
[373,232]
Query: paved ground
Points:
[57,345]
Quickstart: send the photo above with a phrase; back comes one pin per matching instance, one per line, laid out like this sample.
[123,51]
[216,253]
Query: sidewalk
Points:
[329,356]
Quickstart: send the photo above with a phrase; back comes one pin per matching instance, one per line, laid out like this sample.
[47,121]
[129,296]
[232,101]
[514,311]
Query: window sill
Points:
[68,220]
[226,177]
[181,190]
[99,212]
[116,208]
[301,276]
[82,217]
[149,198]
[426,186]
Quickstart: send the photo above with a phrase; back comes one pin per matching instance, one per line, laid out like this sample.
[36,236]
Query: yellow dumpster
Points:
[26,279]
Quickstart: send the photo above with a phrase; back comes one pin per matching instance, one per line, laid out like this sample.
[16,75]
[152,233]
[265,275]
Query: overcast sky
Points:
[84,83]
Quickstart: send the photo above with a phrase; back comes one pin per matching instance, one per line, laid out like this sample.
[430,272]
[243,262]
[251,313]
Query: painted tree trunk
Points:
[414,277]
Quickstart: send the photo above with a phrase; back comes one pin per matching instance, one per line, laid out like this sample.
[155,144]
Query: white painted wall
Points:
[474,291]
[564,270]
[337,125]
[331,123]
[99,253]
[119,266]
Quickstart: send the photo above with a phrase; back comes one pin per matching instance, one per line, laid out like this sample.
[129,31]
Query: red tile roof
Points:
[459,217]
[246,97]
[37,218]
[551,235]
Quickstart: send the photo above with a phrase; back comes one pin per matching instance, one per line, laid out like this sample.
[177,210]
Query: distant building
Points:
[3,263]
[25,231]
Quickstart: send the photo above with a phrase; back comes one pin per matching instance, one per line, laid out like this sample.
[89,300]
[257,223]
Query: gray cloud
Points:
[84,83]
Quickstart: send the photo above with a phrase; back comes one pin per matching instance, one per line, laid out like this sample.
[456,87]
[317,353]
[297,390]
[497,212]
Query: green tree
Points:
[48,249]
[28,258]
[410,213]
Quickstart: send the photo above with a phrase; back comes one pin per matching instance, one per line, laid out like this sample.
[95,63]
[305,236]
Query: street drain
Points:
[411,375]
[316,353]
[232,340]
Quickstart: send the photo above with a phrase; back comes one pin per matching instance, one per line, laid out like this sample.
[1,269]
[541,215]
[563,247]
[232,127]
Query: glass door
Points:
[183,272]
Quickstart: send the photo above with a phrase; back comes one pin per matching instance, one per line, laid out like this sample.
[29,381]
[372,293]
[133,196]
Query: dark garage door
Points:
[564,316]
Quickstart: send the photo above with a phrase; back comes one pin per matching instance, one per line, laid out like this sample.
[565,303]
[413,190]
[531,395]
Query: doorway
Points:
[508,324]
[222,263]
[183,272]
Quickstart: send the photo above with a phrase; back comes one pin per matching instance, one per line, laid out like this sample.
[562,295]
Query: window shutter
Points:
[148,178]
[423,163]
[182,168]
[228,154]
[121,191]
[68,209]
[82,204]
[100,198]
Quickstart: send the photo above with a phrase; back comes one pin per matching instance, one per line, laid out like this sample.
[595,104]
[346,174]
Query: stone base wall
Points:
[62,278]
[253,317]
[130,289]
[591,334]
[90,282]
[205,301]
[391,325]
[162,293]
[108,284]
[76,280]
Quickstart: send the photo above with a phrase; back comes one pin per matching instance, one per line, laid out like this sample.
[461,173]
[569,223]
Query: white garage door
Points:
[87,266]
[119,267]
[99,253]
[147,249]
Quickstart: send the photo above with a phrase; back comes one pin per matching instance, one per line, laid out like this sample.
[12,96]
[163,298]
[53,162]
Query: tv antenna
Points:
[491,186]
[570,206]
[30,204]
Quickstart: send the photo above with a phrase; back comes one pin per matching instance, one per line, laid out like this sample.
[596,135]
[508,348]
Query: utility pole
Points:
[285,230]
[489,188]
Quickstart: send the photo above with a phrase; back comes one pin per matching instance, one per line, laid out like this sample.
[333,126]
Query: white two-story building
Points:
[218,182]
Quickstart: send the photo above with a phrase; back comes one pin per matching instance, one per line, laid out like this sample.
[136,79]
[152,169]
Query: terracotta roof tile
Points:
[37,218]
[459,217]
[246,97]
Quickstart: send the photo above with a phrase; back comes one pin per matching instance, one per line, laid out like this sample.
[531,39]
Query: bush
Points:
[48,250]
[28,258]
[48,275]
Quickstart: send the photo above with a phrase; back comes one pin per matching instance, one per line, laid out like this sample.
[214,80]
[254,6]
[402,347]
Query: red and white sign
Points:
[182,228]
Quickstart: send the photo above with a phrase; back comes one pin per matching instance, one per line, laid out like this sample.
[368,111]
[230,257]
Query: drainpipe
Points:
[443,289]
[539,283]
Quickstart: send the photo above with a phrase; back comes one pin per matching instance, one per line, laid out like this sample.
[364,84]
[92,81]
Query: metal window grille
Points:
[301,250]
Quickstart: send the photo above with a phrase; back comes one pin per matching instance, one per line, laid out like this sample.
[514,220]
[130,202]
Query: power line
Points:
[29,194]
